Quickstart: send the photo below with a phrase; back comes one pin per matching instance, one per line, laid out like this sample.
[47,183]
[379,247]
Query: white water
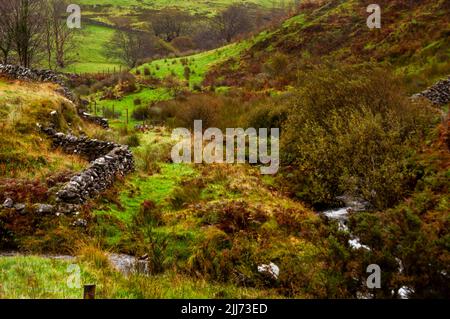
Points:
[341,215]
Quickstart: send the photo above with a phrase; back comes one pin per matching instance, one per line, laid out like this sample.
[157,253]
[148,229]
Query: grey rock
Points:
[80,223]
[19,207]
[44,208]
[438,94]
[8,203]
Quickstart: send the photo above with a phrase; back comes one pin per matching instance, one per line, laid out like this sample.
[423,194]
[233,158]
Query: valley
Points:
[85,203]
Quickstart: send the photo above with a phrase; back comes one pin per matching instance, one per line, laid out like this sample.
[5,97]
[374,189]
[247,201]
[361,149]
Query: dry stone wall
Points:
[25,74]
[109,160]
[439,93]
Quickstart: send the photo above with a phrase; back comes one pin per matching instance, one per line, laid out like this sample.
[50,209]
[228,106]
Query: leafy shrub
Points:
[148,157]
[187,73]
[188,192]
[267,114]
[141,113]
[198,107]
[277,65]
[233,216]
[149,215]
[351,131]
[211,256]
[133,140]
[157,246]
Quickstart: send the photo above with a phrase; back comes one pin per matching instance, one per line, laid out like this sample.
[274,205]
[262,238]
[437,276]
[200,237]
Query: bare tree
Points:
[170,24]
[232,21]
[6,32]
[27,29]
[59,39]
[130,46]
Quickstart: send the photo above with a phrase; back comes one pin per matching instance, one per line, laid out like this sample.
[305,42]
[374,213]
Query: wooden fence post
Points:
[89,292]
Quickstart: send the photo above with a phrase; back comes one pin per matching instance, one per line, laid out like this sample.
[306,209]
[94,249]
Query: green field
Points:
[145,95]
[199,64]
[90,53]
[35,277]
[91,40]
[194,6]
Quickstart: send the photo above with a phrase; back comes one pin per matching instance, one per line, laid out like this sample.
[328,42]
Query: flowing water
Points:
[341,216]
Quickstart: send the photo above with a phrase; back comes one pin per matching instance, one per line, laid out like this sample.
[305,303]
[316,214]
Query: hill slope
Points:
[414,40]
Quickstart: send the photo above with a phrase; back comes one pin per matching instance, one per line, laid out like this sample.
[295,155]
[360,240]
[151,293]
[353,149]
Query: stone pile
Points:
[26,74]
[98,177]
[88,148]
[109,160]
[438,94]
[100,121]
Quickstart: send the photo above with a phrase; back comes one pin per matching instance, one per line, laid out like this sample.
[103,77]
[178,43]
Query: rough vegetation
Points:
[354,128]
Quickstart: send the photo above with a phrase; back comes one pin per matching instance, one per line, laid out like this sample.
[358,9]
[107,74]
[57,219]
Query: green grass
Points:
[199,64]
[90,51]
[193,6]
[34,277]
[146,95]
[156,188]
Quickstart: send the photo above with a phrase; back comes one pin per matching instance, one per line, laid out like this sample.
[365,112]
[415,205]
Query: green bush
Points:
[352,131]
[141,113]
[148,157]
[133,140]
[149,215]
[188,192]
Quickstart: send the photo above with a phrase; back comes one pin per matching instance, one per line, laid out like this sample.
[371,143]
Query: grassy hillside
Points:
[34,277]
[91,40]
[200,6]
[90,51]
[23,152]
[413,40]
[349,131]
[198,64]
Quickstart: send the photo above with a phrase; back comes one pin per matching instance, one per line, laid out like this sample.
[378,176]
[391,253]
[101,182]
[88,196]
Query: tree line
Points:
[32,31]
[35,32]
[185,32]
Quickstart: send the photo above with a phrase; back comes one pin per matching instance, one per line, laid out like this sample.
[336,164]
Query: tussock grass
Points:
[24,152]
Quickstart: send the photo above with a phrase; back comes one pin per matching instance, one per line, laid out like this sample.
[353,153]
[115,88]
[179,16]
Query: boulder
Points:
[8,203]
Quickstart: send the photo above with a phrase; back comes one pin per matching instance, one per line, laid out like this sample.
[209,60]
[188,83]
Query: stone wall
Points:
[25,74]
[100,121]
[98,177]
[438,94]
[109,161]
[88,148]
